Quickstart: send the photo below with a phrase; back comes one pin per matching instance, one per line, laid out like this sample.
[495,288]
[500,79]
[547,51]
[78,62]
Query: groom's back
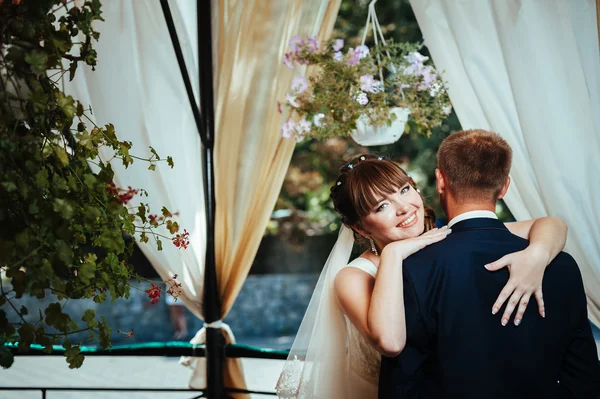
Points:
[457,345]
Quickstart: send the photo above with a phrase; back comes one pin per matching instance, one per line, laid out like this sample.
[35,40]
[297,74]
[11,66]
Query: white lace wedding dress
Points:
[363,360]
[336,361]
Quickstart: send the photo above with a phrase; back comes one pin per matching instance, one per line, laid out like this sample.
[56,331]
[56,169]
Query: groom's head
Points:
[473,168]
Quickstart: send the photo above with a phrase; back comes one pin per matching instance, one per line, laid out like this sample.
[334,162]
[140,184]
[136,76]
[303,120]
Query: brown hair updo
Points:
[362,180]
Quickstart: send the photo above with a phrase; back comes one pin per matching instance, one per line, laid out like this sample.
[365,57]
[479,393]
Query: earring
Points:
[419,191]
[373,248]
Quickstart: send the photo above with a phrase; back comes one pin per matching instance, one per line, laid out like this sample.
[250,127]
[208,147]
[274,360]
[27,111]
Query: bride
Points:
[337,351]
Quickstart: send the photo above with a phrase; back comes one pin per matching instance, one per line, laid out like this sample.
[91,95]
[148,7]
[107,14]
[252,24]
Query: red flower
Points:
[181,240]
[153,293]
[128,334]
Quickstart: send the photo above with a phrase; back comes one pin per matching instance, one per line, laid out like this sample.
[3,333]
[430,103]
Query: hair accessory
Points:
[373,248]
[350,166]
[379,158]
[338,183]
[362,158]
[419,191]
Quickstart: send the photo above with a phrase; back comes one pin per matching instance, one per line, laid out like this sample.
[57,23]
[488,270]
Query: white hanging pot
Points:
[368,135]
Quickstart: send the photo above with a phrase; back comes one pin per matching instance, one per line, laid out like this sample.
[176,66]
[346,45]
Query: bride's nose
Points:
[403,207]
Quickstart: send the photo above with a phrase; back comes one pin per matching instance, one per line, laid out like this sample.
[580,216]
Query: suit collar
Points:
[478,224]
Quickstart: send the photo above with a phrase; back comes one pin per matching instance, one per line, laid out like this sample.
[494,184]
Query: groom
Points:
[456,347]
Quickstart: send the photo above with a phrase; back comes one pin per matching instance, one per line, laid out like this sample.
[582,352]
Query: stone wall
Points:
[269,306]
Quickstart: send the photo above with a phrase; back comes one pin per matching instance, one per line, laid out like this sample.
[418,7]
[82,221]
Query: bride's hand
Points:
[407,247]
[526,270]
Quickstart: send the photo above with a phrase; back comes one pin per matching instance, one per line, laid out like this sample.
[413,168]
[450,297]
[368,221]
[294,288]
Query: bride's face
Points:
[396,216]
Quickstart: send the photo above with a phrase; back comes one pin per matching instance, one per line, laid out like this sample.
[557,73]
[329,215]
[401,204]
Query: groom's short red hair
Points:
[475,164]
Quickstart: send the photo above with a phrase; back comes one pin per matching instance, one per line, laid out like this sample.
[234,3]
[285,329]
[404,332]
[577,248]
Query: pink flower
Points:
[279,107]
[292,100]
[338,44]
[288,129]
[362,51]
[181,240]
[174,289]
[299,84]
[288,61]
[312,45]
[303,127]
[352,57]
[296,43]
[366,83]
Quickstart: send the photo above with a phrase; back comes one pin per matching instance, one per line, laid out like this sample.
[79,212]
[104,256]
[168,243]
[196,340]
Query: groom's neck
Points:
[455,209]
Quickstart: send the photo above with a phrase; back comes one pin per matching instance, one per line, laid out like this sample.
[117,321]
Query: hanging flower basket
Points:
[370,94]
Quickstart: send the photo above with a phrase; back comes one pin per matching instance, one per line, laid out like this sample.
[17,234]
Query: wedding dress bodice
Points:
[363,359]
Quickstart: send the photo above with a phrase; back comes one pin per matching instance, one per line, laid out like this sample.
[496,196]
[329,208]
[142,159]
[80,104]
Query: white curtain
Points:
[137,86]
[530,71]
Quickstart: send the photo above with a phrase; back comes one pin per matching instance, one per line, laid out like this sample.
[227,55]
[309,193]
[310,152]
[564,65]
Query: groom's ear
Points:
[504,188]
[440,183]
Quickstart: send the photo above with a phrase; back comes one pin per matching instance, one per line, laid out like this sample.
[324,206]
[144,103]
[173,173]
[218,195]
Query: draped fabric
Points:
[137,86]
[530,71]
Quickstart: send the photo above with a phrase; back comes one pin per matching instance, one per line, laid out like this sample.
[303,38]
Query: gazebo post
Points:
[215,345]
[204,118]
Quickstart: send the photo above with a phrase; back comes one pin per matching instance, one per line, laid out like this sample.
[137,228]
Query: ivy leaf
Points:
[62,155]
[143,237]
[41,178]
[74,357]
[152,167]
[89,317]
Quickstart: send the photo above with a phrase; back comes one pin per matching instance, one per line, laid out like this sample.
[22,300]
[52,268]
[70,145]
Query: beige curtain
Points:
[250,39]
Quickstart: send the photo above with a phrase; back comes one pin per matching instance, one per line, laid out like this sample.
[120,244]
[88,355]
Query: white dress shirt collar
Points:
[472,215]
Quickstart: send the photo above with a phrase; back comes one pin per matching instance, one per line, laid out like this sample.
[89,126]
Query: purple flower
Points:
[362,99]
[414,57]
[288,61]
[312,44]
[296,43]
[337,56]
[338,44]
[299,84]
[366,83]
[288,129]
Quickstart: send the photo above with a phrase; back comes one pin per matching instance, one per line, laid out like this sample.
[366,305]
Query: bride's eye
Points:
[405,189]
[381,207]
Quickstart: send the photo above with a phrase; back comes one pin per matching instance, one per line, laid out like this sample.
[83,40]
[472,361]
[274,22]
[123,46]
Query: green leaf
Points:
[142,212]
[41,178]
[74,357]
[6,357]
[89,317]
[170,162]
[166,213]
[62,155]
[152,167]
[72,70]
[159,244]
[63,207]
[9,186]
[67,104]
[38,61]
[153,151]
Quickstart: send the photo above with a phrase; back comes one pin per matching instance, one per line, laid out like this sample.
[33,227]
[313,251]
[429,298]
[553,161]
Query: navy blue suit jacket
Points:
[456,348]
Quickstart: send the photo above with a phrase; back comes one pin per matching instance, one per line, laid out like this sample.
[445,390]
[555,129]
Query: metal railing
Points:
[167,349]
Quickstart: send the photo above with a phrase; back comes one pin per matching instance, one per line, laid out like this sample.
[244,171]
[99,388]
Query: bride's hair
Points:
[364,180]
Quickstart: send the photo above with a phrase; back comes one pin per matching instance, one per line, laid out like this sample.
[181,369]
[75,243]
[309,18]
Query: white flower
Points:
[362,51]
[447,110]
[299,84]
[366,82]
[362,99]
[377,87]
[317,119]
[414,57]
[288,129]
[303,127]
[338,56]
[338,44]
[292,100]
